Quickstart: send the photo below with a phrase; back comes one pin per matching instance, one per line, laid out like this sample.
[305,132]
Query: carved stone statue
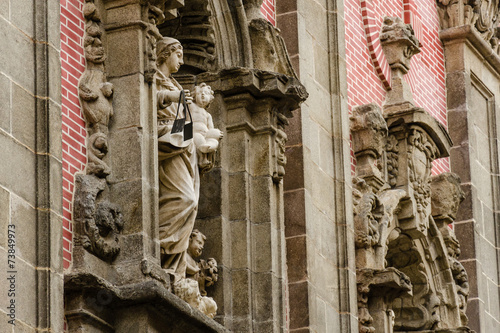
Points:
[98,222]
[203,271]
[179,169]
[198,276]
[206,137]
[95,93]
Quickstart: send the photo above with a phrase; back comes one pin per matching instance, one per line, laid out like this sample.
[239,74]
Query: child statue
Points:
[199,275]
[206,137]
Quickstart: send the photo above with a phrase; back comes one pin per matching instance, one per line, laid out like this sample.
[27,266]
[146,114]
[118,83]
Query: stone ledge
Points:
[468,33]
[177,313]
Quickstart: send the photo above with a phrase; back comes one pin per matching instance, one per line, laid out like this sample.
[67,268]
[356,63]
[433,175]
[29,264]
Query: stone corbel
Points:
[369,135]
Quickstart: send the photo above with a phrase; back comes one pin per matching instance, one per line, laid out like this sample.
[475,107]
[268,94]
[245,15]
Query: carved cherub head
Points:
[203,95]
[196,243]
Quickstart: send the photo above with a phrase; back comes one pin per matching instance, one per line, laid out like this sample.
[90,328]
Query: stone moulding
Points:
[109,300]
[469,35]
[480,15]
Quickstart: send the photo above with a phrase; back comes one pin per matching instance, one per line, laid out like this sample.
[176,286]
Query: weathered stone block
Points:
[460,162]
[210,203]
[458,89]
[212,228]
[321,75]
[295,215]
[294,176]
[241,292]
[262,287]
[128,102]
[239,244]
[19,11]
[458,125]
[53,23]
[26,308]
[23,216]
[235,151]
[262,247]
[296,257]
[23,119]
[22,68]
[260,156]
[128,13]
[129,195]
[299,305]
[18,164]
[326,159]
[125,154]
[262,199]
[287,22]
[126,60]
[53,73]
[315,21]
[55,130]
[239,202]
[466,234]
[5,106]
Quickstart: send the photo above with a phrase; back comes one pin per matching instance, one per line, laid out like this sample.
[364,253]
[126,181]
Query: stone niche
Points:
[120,280]
[408,275]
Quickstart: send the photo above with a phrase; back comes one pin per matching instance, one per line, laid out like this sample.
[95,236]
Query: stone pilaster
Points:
[470,38]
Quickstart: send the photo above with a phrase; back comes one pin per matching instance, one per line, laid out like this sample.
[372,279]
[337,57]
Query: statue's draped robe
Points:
[179,187]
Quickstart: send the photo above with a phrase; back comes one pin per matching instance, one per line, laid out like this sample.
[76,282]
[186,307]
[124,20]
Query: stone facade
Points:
[314,214]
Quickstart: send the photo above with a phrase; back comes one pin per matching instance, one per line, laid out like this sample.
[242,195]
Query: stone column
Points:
[255,107]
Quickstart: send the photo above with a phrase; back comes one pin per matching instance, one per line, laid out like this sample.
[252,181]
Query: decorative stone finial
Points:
[399,45]
[369,134]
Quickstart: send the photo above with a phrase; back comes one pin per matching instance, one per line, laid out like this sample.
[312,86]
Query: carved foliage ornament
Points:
[421,153]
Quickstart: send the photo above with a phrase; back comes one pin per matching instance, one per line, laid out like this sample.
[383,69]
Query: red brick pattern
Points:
[367,70]
[268,9]
[73,125]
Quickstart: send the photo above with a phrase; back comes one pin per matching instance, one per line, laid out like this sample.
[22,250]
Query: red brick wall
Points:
[367,69]
[73,126]
[268,9]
